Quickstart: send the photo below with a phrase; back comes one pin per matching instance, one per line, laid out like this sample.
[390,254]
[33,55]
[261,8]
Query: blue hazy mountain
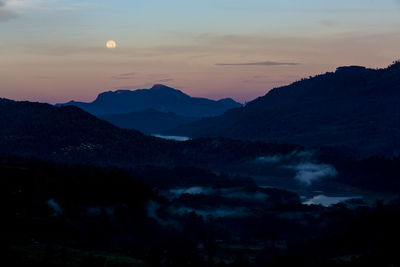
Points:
[160,98]
[354,108]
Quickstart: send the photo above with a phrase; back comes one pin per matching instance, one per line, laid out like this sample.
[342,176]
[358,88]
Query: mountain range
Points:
[153,110]
[69,134]
[355,109]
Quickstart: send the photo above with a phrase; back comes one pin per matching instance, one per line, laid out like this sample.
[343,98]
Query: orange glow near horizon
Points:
[55,53]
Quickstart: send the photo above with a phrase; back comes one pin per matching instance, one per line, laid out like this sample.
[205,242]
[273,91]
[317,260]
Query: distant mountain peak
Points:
[159,97]
[162,87]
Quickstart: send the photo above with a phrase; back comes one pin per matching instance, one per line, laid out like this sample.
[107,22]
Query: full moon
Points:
[111,44]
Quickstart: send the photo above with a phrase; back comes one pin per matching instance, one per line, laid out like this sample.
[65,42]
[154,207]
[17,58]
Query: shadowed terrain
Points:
[354,109]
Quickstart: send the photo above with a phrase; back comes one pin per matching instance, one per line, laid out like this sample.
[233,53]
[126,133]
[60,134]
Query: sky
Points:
[55,50]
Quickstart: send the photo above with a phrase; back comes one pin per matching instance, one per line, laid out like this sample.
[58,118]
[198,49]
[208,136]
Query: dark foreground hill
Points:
[355,109]
[68,132]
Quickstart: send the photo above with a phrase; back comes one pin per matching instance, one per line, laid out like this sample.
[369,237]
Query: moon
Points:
[111,44]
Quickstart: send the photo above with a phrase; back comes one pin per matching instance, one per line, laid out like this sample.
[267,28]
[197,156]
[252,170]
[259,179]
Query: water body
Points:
[328,201]
[171,137]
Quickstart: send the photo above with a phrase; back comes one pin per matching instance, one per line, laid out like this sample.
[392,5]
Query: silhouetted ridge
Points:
[41,129]
[163,87]
[351,69]
[354,108]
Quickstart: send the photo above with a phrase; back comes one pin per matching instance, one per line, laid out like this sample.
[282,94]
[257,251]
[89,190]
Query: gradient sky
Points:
[54,50]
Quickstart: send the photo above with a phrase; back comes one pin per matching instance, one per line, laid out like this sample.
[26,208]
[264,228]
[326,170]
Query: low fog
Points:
[305,164]
[309,172]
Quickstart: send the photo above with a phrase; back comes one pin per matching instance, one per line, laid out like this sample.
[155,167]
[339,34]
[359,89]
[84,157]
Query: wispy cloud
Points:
[164,80]
[263,63]
[124,76]
[5,14]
